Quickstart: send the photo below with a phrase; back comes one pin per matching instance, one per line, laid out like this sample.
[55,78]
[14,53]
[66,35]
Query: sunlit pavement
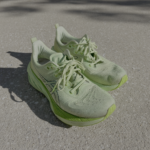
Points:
[121,30]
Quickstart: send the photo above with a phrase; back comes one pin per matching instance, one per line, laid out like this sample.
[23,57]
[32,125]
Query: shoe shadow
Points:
[16,81]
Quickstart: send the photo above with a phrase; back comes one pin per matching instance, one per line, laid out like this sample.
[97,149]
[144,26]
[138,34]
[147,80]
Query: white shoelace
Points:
[87,47]
[67,70]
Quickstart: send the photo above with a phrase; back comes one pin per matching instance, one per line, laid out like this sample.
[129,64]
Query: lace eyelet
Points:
[52,66]
[70,46]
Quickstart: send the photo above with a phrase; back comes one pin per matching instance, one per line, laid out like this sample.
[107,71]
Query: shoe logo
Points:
[50,85]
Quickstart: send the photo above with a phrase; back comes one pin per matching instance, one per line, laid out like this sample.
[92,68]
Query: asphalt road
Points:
[121,29]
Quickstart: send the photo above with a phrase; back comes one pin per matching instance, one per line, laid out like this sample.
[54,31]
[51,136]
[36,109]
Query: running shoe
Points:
[73,98]
[99,70]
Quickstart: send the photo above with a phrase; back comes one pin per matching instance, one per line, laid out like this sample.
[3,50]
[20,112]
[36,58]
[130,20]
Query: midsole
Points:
[70,122]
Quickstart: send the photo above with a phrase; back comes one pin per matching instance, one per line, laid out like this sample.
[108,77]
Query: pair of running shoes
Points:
[74,78]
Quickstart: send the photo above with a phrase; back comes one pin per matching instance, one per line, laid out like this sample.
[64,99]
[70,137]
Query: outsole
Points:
[62,115]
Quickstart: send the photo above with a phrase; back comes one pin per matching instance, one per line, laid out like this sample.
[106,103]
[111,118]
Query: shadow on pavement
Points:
[16,81]
[19,10]
[137,3]
[107,14]
[104,15]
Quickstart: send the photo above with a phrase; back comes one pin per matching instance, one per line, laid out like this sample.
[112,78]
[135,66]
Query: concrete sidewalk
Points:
[121,29]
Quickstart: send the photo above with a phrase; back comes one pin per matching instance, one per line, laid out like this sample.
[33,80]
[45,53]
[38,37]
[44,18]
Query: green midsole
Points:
[57,110]
[61,114]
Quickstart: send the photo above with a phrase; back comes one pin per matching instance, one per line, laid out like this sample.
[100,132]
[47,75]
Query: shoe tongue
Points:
[78,40]
[67,53]
[76,78]
[90,56]
[84,38]
[72,42]
[58,58]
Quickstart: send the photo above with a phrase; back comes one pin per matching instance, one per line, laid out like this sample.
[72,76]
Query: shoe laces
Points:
[67,70]
[88,49]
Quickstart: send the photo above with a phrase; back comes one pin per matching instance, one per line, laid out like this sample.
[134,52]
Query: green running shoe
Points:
[73,98]
[99,70]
